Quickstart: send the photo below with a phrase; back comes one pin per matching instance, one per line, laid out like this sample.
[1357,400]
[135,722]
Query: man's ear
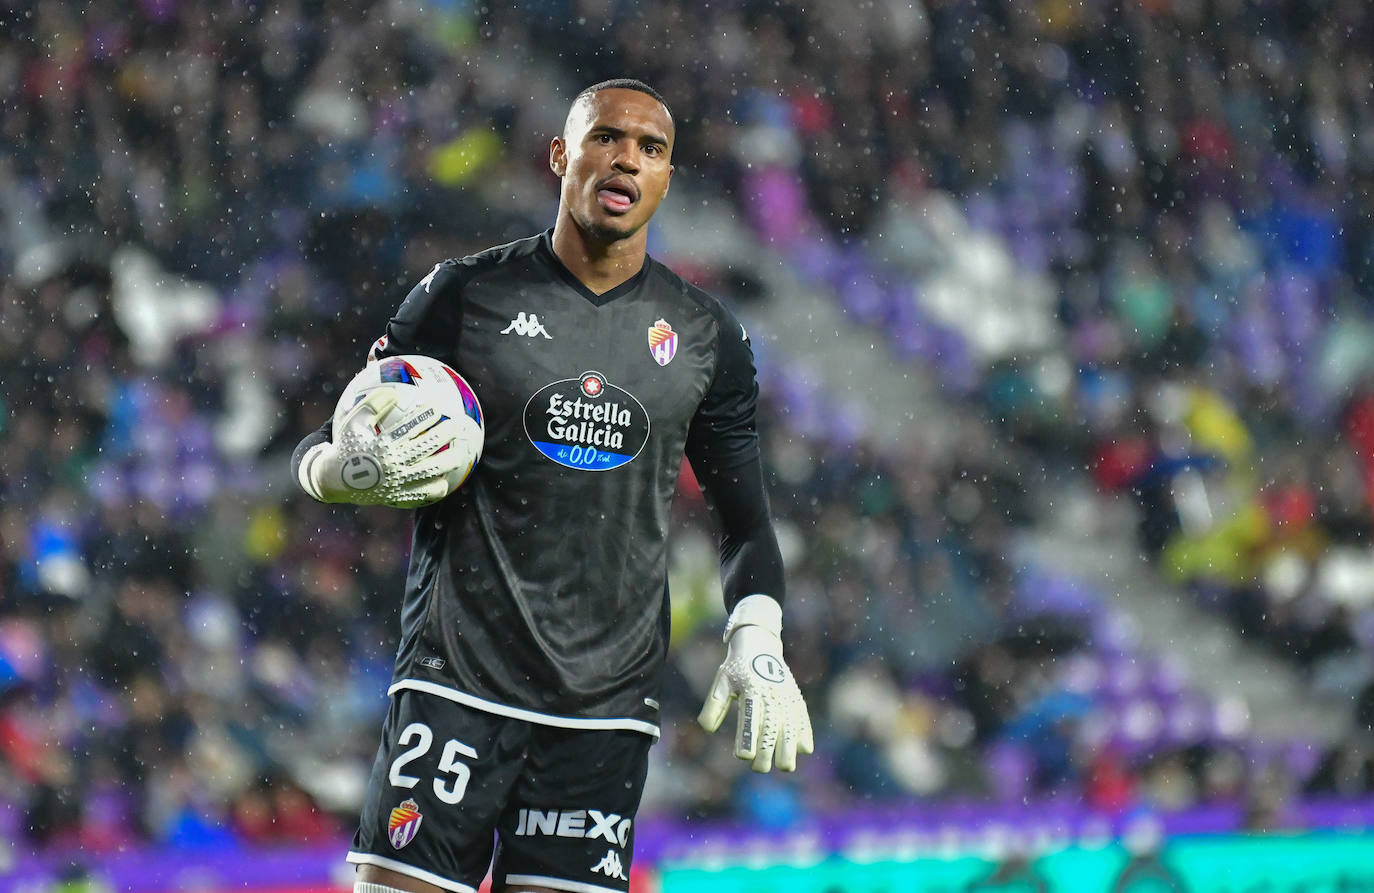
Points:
[558,156]
[669,181]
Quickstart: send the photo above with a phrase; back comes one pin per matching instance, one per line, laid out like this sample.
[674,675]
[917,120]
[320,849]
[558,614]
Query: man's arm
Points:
[427,323]
[722,446]
[318,437]
[750,562]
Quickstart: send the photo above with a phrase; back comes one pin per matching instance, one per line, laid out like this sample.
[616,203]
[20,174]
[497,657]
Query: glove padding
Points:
[385,456]
[773,721]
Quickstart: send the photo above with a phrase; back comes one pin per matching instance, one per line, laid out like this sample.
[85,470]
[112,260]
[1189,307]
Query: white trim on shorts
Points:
[543,719]
[358,858]
[558,883]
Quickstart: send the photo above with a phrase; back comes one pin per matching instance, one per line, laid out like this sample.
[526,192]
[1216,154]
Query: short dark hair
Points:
[623,84]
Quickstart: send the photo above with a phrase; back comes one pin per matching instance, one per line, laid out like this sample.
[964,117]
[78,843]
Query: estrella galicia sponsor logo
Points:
[586,423]
[591,824]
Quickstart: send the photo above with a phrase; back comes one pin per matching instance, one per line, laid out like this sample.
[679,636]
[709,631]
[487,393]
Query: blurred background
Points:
[1062,310]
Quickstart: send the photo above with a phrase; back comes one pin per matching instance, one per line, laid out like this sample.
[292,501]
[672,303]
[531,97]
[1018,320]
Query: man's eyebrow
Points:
[618,133]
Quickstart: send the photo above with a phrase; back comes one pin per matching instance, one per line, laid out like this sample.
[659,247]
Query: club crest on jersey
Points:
[662,342]
[404,823]
[586,423]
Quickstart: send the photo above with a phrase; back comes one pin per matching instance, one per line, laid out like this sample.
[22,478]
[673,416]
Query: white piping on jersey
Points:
[557,883]
[408,870]
[543,719]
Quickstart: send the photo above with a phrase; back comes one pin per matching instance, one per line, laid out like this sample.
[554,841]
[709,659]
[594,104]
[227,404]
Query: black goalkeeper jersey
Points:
[539,588]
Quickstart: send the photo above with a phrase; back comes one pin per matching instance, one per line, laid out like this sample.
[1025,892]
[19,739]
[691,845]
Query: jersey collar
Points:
[624,288]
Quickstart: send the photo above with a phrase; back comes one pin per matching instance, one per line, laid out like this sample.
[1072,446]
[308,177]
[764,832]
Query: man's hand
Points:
[772,715]
[383,456]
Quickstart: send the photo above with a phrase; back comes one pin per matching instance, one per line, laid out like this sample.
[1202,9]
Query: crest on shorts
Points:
[404,823]
[662,342]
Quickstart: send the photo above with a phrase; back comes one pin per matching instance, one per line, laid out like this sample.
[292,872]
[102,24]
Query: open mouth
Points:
[617,196]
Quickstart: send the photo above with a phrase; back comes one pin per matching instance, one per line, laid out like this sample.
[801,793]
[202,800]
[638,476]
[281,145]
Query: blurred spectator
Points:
[1136,238]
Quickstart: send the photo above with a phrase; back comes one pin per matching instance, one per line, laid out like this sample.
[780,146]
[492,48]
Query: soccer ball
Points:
[419,380]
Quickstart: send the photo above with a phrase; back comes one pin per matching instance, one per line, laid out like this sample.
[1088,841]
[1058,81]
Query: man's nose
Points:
[627,159]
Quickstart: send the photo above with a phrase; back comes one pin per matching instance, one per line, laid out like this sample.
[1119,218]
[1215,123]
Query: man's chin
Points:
[608,230]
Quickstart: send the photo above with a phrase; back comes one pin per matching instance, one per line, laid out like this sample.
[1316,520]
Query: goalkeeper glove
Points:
[381,457]
[772,715]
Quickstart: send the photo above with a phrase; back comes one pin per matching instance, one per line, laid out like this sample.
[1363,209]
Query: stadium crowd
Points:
[209,210]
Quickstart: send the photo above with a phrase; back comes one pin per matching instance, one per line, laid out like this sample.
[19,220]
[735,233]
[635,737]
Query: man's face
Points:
[615,160]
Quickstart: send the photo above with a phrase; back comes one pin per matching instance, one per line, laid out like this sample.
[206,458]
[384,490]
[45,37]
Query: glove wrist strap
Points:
[303,474]
[754,610]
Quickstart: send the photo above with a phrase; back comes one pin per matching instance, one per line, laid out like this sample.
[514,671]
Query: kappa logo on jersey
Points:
[429,280]
[610,865]
[404,823]
[528,325]
[587,423]
[662,342]
[581,823]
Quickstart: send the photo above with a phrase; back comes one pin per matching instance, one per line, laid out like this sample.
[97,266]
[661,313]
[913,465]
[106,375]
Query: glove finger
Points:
[768,741]
[747,732]
[806,743]
[427,444]
[436,466]
[787,749]
[412,422]
[370,411]
[717,703]
[432,454]
[420,494]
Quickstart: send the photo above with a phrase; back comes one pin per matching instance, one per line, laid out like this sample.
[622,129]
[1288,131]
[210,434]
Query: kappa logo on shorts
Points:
[573,823]
[404,823]
[610,865]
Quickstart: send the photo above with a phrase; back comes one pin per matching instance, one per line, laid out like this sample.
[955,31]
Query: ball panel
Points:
[417,381]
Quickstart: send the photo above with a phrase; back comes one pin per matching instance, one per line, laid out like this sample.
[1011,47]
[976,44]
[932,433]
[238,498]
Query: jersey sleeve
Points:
[723,447]
[723,433]
[750,560]
[429,319]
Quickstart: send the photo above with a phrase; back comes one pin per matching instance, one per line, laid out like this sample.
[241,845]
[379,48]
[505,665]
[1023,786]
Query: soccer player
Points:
[535,617]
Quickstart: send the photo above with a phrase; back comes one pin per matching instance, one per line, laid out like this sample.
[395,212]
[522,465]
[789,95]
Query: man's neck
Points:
[599,266]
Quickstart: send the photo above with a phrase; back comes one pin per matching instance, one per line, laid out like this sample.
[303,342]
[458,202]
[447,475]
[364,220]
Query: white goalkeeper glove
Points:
[384,456]
[773,722]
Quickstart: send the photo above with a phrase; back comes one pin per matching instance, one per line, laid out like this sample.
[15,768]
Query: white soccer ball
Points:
[423,381]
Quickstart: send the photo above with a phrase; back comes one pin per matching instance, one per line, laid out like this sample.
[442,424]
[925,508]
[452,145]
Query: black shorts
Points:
[452,785]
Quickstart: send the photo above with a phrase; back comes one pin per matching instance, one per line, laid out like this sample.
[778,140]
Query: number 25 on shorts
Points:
[448,792]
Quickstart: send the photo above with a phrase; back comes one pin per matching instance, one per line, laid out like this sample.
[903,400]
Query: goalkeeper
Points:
[535,616]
